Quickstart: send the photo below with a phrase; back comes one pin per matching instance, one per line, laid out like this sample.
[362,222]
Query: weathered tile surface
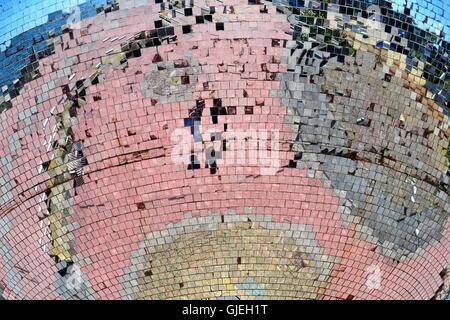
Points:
[96,103]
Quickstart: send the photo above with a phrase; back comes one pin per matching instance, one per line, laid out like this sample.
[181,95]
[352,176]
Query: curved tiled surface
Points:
[95,204]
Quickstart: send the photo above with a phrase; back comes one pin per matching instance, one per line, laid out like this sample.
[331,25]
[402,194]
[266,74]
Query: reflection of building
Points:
[90,193]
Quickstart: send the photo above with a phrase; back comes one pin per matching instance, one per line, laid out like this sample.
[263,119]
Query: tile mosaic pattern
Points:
[92,205]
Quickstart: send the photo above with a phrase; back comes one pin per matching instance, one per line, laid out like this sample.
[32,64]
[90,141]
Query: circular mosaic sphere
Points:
[225,149]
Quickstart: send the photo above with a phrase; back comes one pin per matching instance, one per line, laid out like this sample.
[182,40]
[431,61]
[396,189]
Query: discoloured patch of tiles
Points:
[215,256]
[12,275]
[5,180]
[357,163]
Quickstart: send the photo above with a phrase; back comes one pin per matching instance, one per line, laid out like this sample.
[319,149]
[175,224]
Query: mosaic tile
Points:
[232,149]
